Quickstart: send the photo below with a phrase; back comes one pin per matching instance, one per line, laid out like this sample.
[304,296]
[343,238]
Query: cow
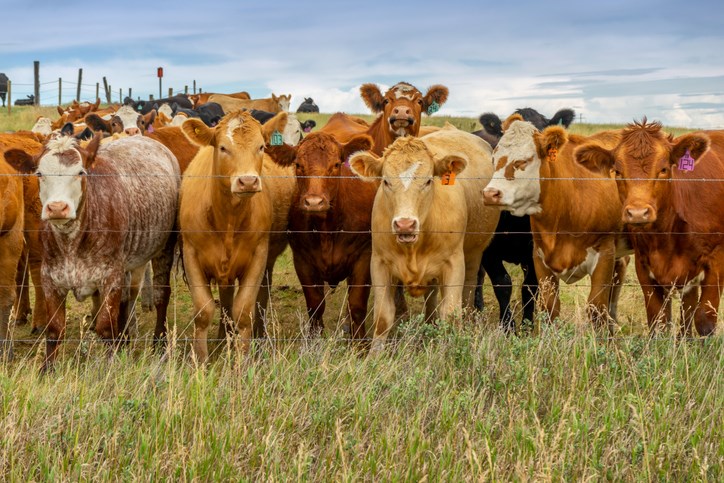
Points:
[329,224]
[203,97]
[144,107]
[107,211]
[78,110]
[574,213]
[671,192]
[271,104]
[399,114]
[210,112]
[308,106]
[125,120]
[233,217]
[428,230]
[513,242]
[293,131]
[492,129]
[177,142]
[28,101]
[3,86]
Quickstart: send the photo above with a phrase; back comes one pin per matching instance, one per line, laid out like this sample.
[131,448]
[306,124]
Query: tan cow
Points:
[427,235]
[233,215]
[203,97]
[270,104]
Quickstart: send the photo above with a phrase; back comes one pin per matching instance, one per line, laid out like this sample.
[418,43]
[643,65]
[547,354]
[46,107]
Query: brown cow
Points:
[124,120]
[672,192]
[575,213]
[329,224]
[400,114]
[270,104]
[233,222]
[428,231]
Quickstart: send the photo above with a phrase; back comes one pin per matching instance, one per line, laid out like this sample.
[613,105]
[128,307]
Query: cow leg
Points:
[689,301]
[7,300]
[658,304]
[358,293]
[432,303]
[55,330]
[21,310]
[313,288]
[600,295]
[147,293]
[502,286]
[226,324]
[161,269]
[619,275]
[548,289]
[706,312]
[402,311]
[479,302]
[127,318]
[203,302]
[528,292]
[246,299]
[453,276]
[108,326]
[40,314]
[384,303]
[262,300]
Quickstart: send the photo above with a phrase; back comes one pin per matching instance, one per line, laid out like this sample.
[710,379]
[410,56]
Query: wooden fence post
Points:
[170,92]
[10,95]
[108,93]
[60,90]
[36,69]
[130,92]
[186,90]
[80,79]
[98,90]
[194,86]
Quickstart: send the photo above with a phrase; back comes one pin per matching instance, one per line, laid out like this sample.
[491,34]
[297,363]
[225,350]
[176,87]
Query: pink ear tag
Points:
[686,162]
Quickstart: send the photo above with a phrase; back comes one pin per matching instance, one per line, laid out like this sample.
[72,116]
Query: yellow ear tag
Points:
[448,178]
[197,131]
[552,154]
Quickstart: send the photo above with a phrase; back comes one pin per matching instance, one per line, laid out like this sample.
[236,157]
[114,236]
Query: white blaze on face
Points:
[232,126]
[42,126]
[292,134]
[60,170]
[165,109]
[284,103]
[129,117]
[408,175]
[404,90]
[518,180]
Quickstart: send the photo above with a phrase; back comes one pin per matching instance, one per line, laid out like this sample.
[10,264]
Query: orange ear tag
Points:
[448,178]
[552,154]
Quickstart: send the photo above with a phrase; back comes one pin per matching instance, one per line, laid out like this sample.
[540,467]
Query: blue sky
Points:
[611,61]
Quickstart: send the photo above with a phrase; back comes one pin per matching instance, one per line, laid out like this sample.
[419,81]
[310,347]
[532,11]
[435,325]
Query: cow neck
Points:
[229,210]
[380,132]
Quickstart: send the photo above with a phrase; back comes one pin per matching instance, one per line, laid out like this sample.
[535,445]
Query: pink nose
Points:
[636,215]
[401,111]
[315,203]
[405,225]
[492,196]
[57,209]
[246,184]
[132,131]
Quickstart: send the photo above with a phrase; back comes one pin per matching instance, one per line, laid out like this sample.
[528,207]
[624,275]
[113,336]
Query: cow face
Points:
[407,169]
[62,170]
[515,185]
[125,120]
[283,101]
[643,163]
[318,161]
[402,106]
[238,142]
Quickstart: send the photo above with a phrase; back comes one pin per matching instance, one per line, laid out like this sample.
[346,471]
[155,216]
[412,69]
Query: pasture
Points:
[455,401]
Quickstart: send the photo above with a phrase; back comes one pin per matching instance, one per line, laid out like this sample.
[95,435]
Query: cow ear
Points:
[60,111]
[85,135]
[696,144]
[97,103]
[275,98]
[21,161]
[276,123]
[67,129]
[358,143]
[454,163]
[198,132]
[511,119]
[549,142]
[91,149]
[96,123]
[594,158]
[373,97]
[308,125]
[435,94]
[149,118]
[366,165]
[283,154]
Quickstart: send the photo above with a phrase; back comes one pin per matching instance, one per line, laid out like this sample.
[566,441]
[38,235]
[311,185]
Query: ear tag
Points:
[448,178]
[552,154]
[433,108]
[686,162]
[276,139]
[197,131]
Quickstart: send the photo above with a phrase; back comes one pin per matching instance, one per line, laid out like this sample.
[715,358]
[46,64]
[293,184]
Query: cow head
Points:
[407,169]
[294,130]
[61,168]
[43,125]
[318,160]
[402,105]
[238,142]
[643,163]
[518,158]
[125,120]
[283,101]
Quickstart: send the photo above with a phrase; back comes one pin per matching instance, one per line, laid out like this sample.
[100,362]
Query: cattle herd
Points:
[389,206]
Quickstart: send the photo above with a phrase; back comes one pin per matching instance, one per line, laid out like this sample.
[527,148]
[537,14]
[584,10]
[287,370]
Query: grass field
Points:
[452,402]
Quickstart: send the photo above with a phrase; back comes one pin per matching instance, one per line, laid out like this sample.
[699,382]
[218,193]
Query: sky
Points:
[611,61]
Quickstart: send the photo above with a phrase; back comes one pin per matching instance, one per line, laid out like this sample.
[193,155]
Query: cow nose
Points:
[492,196]
[314,203]
[247,183]
[405,225]
[58,209]
[638,215]
[401,111]
[132,131]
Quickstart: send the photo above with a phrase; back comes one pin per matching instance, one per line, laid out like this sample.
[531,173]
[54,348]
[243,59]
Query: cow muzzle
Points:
[406,230]
[639,215]
[315,204]
[492,197]
[58,212]
[246,185]
[401,122]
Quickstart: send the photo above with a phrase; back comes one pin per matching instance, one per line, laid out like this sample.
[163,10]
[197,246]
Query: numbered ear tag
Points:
[448,178]
[686,162]
[433,108]
[552,154]
[276,139]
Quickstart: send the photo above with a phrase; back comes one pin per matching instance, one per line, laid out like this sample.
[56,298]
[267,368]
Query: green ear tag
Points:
[276,139]
[433,108]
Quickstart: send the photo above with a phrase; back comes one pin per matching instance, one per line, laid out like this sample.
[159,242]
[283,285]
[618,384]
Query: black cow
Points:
[513,242]
[210,113]
[308,106]
[3,86]
[28,101]
[144,107]
[264,116]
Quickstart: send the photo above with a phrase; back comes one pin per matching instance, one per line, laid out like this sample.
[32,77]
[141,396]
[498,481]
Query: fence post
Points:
[130,92]
[80,79]
[10,95]
[120,95]
[194,86]
[36,69]
[186,90]
[105,88]
[60,90]
[170,92]
[98,87]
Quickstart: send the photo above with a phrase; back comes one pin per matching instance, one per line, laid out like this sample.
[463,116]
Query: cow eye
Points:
[386,183]
[39,174]
[222,149]
[385,102]
[664,171]
[428,182]
[419,101]
[82,172]
[337,165]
